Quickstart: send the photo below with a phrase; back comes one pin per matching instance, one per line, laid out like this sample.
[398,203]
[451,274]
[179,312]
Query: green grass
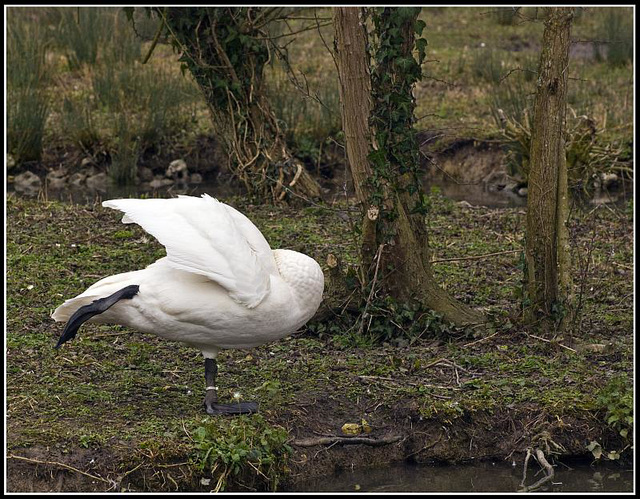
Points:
[138,398]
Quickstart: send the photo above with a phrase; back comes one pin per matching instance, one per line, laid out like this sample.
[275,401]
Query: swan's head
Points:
[303,274]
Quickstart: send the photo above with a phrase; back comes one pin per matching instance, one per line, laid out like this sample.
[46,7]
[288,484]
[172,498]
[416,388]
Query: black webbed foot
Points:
[211,398]
[232,408]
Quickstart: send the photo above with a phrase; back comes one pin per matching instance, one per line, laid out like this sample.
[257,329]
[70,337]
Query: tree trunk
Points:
[355,102]
[547,251]
[225,49]
[395,249]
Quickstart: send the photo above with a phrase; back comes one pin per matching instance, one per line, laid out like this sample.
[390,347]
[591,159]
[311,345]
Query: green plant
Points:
[124,45]
[617,30]
[226,448]
[124,162]
[164,101]
[616,399]
[309,116]
[82,33]
[77,120]
[588,153]
[485,64]
[506,16]
[105,87]
[28,103]
[384,320]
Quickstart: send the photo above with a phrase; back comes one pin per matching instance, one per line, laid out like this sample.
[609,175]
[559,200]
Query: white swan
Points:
[220,285]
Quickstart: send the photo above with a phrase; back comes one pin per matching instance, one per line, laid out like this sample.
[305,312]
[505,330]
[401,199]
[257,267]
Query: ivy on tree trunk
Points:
[226,50]
[378,118]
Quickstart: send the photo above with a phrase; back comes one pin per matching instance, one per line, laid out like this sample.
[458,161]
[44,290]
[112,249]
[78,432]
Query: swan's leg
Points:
[211,398]
[83,314]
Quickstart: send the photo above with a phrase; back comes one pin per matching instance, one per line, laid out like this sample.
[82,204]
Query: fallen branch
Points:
[552,342]
[475,257]
[446,361]
[480,340]
[539,455]
[310,442]
[427,446]
[62,465]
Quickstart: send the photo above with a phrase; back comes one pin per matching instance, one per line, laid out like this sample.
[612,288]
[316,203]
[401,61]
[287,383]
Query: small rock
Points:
[56,179]
[77,178]
[160,182]
[178,170]
[195,178]
[86,162]
[351,429]
[522,192]
[56,183]
[609,180]
[59,173]
[97,181]
[596,347]
[496,177]
[11,162]
[464,204]
[27,180]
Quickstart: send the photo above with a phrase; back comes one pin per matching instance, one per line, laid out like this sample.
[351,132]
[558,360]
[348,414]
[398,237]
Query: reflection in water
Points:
[481,477]
[479,194]
[86,195]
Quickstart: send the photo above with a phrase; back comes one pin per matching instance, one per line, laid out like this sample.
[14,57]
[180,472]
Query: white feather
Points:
[220,285]
[207,237]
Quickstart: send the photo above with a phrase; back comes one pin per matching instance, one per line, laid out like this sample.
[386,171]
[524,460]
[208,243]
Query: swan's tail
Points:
[102,288]
[85,312]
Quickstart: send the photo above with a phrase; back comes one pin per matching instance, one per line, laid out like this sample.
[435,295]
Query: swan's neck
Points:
[304,275]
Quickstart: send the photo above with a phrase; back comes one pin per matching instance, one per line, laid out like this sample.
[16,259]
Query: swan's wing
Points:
[207,237]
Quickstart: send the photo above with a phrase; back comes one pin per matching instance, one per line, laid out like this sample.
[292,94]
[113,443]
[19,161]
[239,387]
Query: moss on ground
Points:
[125,408]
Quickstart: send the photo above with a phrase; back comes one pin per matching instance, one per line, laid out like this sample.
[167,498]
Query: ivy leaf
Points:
[129,12]
[419,26]
[595,448]
[421,46]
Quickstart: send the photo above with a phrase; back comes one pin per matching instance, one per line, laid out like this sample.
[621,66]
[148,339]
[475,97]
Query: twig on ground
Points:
[62,465]
[480,340]
[446,361]
[428,446]
[311,442]
[475,257]
[549,341]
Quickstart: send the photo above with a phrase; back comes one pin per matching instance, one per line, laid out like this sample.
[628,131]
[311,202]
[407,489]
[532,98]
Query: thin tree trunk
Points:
[403,268]
[355,106]
[547,252]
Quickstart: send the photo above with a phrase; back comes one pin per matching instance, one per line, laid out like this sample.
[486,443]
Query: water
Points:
[480,477]
[475,194]
[86,195]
